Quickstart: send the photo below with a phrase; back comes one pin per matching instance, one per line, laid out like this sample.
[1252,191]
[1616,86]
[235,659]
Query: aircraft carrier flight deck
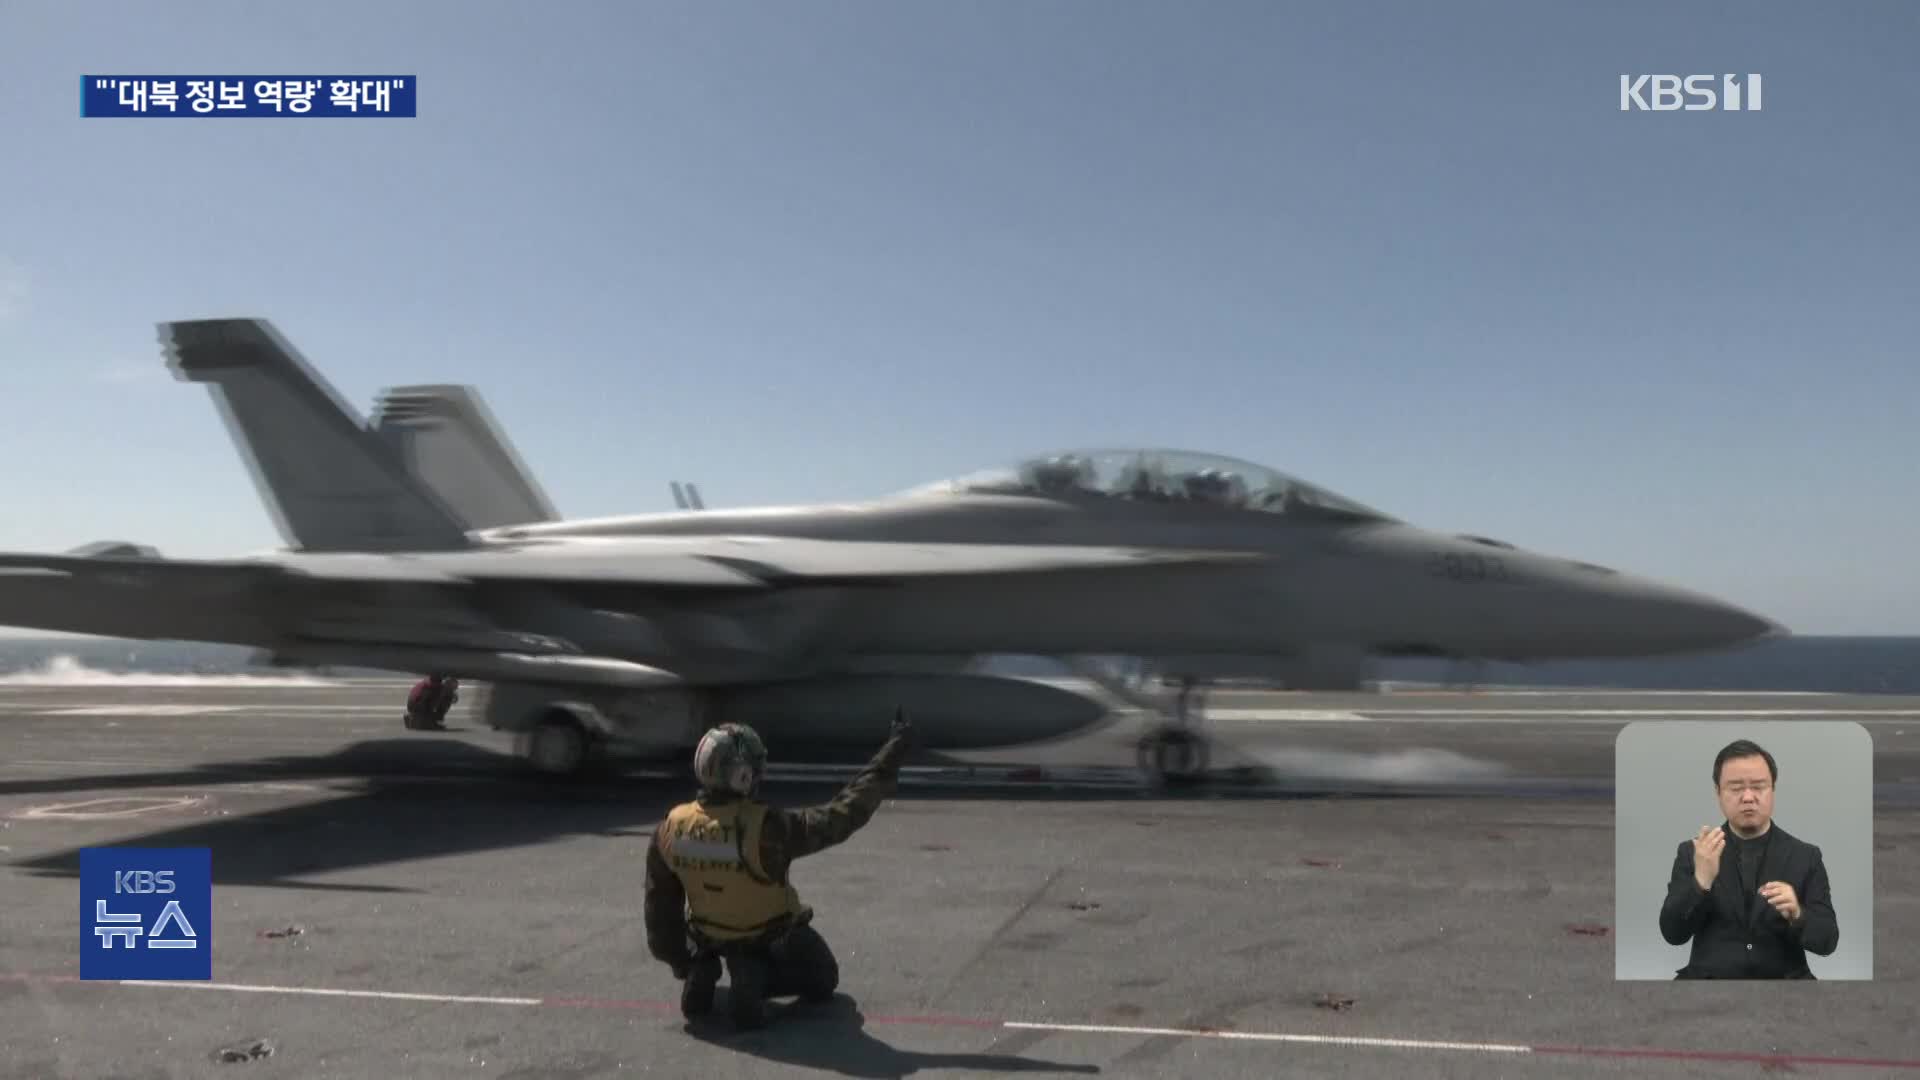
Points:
[1399,884]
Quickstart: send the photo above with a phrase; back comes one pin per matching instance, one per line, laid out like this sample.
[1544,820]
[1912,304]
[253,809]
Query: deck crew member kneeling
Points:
[717,877]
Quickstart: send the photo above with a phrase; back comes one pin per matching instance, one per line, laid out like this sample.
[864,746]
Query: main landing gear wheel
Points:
[557,746]
[1172,754]
[1175,753]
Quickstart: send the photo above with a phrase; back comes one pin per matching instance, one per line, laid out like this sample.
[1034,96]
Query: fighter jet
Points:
[814,621]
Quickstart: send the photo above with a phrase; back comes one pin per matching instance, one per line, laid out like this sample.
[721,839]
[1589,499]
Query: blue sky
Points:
[1412,252]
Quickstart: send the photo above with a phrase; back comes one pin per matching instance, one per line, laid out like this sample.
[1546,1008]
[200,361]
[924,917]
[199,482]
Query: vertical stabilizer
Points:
[450,440]
[330,483]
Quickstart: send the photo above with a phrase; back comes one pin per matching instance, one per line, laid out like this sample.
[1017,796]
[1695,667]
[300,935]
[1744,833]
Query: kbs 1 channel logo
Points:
[1689,93]
[146,913]
[307,96]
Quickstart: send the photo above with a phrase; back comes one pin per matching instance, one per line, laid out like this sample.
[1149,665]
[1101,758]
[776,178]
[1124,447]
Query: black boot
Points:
[696,996]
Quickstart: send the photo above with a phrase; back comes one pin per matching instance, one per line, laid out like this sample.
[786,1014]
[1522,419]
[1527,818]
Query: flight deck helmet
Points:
[730,758]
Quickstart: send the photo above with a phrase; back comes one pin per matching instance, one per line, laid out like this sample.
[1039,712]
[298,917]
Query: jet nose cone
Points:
[1625,616]
[1769,629]
[1701,622]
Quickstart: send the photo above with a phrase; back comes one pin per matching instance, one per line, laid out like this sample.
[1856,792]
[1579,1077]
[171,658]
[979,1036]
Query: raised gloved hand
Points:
[901,725]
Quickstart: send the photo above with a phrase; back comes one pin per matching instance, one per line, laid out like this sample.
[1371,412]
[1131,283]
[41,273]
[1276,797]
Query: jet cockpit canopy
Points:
[1160,476]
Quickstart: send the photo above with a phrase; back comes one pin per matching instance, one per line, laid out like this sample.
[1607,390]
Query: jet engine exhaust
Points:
[1412,767]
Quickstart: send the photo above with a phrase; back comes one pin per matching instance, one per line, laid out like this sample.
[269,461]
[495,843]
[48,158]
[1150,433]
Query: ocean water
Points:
[1848,665]
[1834,665]
[1837,665]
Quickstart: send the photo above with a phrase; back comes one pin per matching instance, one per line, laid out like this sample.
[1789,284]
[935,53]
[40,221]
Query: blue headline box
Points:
[146,913]
[248,95]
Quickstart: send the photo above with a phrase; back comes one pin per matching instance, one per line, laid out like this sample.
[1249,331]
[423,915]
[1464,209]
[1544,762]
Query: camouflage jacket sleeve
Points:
[664,907]
[795,834]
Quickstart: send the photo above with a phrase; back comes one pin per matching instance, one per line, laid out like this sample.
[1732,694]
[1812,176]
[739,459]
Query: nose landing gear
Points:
[1174,752]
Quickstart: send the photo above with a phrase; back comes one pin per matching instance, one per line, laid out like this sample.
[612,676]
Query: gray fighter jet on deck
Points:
[419,544]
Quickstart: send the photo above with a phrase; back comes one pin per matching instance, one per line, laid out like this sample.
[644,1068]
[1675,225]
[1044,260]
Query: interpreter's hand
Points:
[1783,898]
[1708,843]
[901,725]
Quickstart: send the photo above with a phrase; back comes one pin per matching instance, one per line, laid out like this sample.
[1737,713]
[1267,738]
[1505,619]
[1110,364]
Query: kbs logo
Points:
[143,881]
[146,913]
[1667,93]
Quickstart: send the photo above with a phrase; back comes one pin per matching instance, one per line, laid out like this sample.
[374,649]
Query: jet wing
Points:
[668,564]
[116,569]
[435,610]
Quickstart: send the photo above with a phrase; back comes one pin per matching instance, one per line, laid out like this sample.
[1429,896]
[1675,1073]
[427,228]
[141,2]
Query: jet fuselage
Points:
[1377,585]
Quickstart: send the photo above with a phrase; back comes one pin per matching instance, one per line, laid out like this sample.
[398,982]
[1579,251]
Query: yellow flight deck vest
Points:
[715,852]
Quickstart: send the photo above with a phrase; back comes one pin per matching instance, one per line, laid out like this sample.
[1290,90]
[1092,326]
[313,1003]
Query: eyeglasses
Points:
[1758,787]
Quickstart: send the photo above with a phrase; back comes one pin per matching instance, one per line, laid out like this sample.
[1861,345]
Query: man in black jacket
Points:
[1752,897]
